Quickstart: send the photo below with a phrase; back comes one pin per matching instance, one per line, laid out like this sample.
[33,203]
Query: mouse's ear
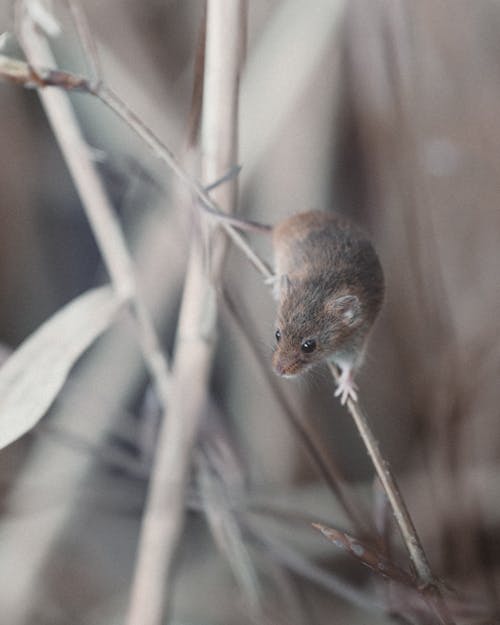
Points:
[348,307]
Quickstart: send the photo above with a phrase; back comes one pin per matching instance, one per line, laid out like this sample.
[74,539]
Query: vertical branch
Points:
[196,332]
[219,141]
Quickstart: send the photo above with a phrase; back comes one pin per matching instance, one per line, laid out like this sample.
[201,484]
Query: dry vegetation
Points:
[173,478]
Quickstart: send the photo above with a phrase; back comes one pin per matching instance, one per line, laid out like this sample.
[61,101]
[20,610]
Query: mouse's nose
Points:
[279,368]
[286,366]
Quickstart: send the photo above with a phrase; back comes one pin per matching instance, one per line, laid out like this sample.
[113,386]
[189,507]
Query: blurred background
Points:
[384,110]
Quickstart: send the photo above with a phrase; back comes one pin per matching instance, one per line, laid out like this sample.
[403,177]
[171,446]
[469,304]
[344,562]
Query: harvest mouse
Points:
[330,288]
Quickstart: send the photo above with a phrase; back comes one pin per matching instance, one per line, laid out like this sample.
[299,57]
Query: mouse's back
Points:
[322,249]
[318,241]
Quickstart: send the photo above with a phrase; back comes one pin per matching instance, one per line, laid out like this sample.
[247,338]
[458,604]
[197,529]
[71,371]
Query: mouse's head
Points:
[312,326]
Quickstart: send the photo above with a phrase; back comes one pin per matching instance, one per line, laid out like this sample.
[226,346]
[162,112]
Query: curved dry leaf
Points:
[367,555]
[33,375]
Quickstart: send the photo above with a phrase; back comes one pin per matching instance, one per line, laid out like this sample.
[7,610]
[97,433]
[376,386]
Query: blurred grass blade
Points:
[226,529]
[33,376]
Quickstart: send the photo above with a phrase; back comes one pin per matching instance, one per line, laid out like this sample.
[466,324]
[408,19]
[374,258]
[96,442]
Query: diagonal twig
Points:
[23,74]
[105,226]
[399,509]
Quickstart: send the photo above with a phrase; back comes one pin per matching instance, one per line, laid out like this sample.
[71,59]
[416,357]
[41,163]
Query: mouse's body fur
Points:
[330,289]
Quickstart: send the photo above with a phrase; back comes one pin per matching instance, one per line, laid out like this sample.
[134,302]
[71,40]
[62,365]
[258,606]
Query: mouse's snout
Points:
[286,366]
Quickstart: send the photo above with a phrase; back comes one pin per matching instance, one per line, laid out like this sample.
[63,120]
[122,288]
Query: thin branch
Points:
[86,39]
[114,102]
[229,175]
[400,511]
[103,221]
[403,519]
[23,74]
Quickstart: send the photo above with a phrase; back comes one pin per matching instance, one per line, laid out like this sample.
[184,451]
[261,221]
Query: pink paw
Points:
[346,388]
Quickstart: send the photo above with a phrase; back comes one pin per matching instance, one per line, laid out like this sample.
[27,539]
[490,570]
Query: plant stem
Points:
[19,72]
[98,209]
[196,332]
[400,511]
[114,103]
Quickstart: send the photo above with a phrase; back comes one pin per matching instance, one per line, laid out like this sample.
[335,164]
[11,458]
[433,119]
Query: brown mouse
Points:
[330,288]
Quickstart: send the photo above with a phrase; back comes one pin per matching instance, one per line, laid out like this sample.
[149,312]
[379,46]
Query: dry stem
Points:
[400,511]
[196,331]
[403,519]
[99,211]
[21,73]
[114,102]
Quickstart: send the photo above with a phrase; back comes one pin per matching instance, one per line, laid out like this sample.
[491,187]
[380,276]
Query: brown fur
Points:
[324,259]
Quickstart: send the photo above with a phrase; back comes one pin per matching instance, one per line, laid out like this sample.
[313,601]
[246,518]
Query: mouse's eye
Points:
[277,334]
[308,346]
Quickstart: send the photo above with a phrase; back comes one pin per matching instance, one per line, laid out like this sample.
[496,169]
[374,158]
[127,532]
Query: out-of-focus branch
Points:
[86,39]
[23,74]
[120,108]
[99,211]
[196,332]
[225,527]
[105,226]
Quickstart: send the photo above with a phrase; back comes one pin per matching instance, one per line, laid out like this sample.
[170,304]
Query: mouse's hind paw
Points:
[346,388]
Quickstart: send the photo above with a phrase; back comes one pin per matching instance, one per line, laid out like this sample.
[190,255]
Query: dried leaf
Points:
[32,377]
[367,555]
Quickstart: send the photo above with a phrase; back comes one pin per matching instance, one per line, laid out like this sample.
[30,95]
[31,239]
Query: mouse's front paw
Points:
[346,388]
